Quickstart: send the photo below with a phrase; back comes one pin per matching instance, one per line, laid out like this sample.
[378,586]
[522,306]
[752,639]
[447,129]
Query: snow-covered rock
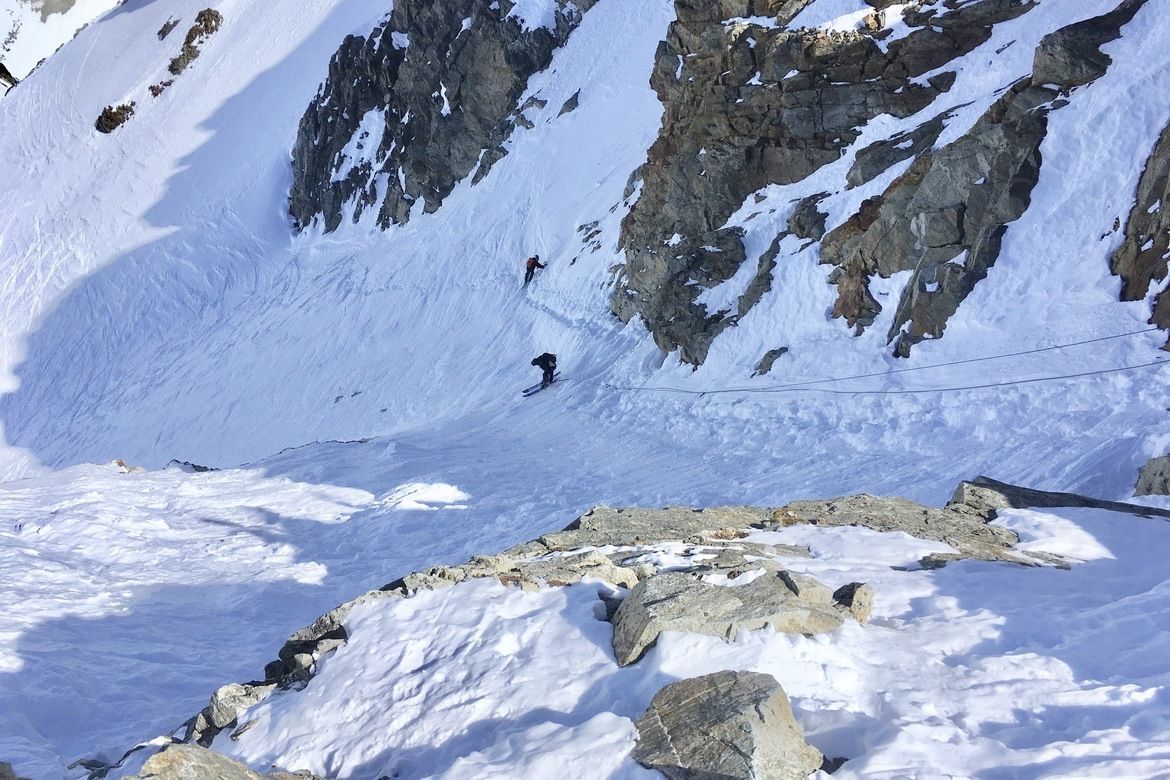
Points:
[734,725]
[676,601]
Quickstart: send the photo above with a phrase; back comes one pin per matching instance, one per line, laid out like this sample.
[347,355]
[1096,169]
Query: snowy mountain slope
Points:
[157,305]
[31,30]
[219,314]
[955,676]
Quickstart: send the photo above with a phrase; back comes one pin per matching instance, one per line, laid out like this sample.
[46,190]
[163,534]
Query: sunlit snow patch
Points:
[425,496]
[1043,532]
[535,13]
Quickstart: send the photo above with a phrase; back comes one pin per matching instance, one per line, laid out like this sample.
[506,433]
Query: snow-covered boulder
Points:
[678,601]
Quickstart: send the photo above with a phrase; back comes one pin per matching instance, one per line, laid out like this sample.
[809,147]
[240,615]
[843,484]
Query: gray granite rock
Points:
[1141,260]
[726,725]
[856,598]
[679,601]
[1072,56]
[749,105]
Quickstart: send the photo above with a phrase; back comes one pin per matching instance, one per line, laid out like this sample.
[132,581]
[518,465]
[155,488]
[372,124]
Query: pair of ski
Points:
[531,391]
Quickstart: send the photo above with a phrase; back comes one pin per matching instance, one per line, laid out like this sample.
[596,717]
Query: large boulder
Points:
[727,725]
[680,601]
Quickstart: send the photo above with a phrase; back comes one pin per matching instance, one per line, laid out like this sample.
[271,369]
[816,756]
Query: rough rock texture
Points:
[943,219]
[7,80]
[963,527]
[190,762]
[1141,259]
[1072,56]
[724,725]
[1154,477]
[6,771]
[747,106]
[768,360]
[168,26]
[679,601]
[603,525]
[714,544]
[113,117]
[207,23]
[985,495]
[857,599]
[880,156]
[442,98]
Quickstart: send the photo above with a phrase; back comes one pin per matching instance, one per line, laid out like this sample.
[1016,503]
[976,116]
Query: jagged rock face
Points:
[747,106]
[677,601]
[1142,257]
[733,725]
[943,219]
[425,100]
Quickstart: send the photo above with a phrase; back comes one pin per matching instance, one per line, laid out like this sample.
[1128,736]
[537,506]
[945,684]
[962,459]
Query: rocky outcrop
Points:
[985,496]
[1154,477]
[113,117]
[944,219]
[1141,260]
[749,105]
[724,725]
[724,584]
[7,772]
[207,23]
[678,601]
[1072,56]
[856,598]
[191,762]
[968,533]
[427,99]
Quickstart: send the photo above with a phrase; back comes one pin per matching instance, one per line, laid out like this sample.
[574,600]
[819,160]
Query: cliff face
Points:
[425,100]
[753,102]
[750,104]
[1141,259]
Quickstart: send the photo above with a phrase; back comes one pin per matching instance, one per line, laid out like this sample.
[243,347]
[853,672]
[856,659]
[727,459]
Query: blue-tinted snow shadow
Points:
[1104,619]
[158,302]
[93,687]
[625,693]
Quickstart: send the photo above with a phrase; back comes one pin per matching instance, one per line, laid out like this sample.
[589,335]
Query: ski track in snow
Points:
[178,319]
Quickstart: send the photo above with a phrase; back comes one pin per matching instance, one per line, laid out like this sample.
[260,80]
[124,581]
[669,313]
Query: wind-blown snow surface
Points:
[30,31]
[155,306]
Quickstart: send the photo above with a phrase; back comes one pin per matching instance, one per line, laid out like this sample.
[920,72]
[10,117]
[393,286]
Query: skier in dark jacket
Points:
[547,363]
[533,264]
